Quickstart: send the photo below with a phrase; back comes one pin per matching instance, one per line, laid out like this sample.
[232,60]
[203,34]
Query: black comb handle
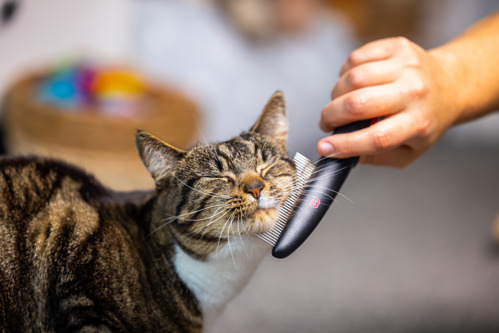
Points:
[317,197]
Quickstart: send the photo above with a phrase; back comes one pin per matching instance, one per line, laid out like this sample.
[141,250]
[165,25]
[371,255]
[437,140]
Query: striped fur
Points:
[75,256]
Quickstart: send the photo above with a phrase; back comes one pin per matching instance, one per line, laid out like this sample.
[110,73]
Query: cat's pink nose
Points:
[254,188]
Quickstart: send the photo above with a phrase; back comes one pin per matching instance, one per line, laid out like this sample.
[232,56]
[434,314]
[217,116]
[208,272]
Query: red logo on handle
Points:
[315,202]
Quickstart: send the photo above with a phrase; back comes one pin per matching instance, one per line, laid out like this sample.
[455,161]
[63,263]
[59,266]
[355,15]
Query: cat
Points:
[76,256]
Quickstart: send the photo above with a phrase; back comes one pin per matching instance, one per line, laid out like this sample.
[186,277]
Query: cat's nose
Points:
[254,187]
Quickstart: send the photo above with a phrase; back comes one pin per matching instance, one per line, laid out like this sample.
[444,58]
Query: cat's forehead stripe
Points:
[241,146]
[226,157]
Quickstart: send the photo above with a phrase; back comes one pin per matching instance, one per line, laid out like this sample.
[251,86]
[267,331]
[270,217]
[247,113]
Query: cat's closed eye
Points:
[264,169]
[229,180]
[226,179]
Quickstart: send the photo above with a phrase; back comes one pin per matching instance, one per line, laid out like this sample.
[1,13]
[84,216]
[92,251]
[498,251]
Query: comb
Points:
[304,170]
[316,188]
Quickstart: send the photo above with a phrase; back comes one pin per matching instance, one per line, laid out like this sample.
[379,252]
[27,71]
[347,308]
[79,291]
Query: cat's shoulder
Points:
[29,169]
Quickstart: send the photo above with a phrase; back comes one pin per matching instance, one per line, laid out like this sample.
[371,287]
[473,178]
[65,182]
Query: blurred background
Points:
[407,250]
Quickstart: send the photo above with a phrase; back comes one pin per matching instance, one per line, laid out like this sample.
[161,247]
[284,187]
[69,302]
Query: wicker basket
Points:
[100,144]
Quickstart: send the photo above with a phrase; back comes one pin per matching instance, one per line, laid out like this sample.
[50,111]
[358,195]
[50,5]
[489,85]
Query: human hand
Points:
[408,87]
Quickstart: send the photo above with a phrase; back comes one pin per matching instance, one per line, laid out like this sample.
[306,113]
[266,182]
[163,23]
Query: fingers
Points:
[381,79]
[365,103]
[373,51]
[383,136]
[364,89]
[365,75]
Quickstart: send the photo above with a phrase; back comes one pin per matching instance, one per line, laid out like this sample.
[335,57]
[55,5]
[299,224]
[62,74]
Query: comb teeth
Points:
[304,170]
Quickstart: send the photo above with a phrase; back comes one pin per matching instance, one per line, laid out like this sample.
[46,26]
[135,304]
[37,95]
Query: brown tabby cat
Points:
[75,256]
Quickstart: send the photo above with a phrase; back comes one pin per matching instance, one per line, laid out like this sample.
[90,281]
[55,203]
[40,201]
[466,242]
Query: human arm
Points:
[418,93]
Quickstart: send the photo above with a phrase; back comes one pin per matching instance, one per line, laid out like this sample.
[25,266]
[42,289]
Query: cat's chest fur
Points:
[218,279]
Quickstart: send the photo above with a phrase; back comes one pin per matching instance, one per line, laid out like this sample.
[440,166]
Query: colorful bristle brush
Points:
[316,187]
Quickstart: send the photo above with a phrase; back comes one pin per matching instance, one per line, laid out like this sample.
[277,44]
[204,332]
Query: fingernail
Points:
[325,149]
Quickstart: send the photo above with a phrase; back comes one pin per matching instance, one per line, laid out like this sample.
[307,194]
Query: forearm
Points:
[472,64]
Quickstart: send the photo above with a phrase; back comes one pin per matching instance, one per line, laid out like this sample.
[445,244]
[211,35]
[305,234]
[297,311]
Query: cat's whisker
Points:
[326,175]
[219,207]
[324,157]
[203,228]
[286,182]
[240,224]
[286,187]
[242,217]
[321,168]
[174,217]
[157,229]
[200,130]
[238,228]
[199,230]
[283,185]
[228,242]
[222,231]
[244,232]
[331,190]
[221,236]
[286,190]
[316,189]
[209,218]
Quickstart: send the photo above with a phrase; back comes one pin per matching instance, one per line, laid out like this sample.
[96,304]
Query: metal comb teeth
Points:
[304,170]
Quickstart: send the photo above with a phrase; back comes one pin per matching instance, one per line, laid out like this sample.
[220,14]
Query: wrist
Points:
[451,84]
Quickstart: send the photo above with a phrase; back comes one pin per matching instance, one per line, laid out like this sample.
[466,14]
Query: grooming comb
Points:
[304,170]
[316,187]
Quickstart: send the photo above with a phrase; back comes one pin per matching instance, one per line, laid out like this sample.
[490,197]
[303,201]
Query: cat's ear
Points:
[274,119]
[158,156]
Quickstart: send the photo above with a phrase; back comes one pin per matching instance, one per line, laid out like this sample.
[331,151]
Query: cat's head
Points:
[221,191]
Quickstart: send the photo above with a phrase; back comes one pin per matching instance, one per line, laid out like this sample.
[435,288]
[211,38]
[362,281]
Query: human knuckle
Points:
[402,41]
[415,125]
[332,93]
[328,115]
[419,87]
[423,128]
[355,104]
[355,57]
[381,140]
[413,60]
[324,115]
[355,78]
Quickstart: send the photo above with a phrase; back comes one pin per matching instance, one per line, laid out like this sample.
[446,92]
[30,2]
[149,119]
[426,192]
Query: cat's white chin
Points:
[264,202]
[262,221]
[263,217]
